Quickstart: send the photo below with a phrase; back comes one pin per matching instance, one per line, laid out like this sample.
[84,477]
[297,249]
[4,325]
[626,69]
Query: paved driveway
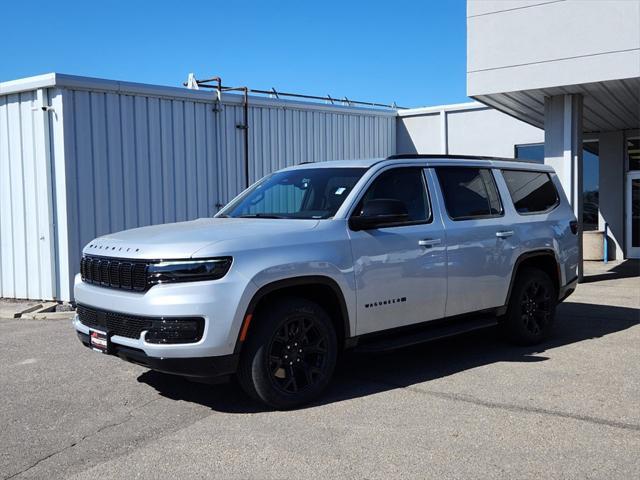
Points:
[464,407]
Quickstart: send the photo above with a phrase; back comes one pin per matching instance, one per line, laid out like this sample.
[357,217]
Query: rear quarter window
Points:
[531,192]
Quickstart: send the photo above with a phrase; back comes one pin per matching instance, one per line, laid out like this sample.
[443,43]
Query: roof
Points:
[430,160]
[75,82]
[366,163]
[454,107]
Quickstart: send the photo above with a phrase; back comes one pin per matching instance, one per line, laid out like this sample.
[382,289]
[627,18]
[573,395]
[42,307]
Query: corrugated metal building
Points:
[82,157]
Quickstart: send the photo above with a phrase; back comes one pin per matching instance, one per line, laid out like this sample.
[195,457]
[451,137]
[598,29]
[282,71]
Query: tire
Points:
[532,308]
[290,355]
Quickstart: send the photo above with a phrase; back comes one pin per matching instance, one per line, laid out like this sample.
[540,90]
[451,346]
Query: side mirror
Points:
[379,213]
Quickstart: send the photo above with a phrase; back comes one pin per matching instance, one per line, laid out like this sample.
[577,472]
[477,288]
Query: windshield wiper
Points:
[260,215]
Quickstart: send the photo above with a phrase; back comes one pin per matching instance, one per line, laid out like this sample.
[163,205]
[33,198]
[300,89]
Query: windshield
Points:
[305,193]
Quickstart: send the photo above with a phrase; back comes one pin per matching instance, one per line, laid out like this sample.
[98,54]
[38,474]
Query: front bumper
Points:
[221,303]
[204,368]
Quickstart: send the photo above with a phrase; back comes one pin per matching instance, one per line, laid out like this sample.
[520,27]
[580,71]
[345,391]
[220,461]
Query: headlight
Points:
[188,270]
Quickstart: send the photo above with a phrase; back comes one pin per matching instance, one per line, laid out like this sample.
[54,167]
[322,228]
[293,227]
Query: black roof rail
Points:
[404,156]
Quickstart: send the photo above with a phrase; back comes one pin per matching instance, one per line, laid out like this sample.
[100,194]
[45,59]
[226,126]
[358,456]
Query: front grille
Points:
[114,323]
[114,273]
[159,329]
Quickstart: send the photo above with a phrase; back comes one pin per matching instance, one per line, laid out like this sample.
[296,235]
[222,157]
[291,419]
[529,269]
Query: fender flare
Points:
[294,282]
[518,262]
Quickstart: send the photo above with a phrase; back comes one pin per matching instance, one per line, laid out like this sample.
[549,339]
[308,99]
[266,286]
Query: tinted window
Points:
[403,184]
[469,192]
[530,191]
[298,193]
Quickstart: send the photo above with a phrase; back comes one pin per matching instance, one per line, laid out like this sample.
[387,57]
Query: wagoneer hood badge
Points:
[184,239]
[100,247]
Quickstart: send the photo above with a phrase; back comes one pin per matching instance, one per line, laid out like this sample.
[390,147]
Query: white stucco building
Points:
[555,81]
[571,68]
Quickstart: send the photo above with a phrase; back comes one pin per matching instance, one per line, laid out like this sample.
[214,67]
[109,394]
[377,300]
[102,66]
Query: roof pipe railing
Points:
[206,83]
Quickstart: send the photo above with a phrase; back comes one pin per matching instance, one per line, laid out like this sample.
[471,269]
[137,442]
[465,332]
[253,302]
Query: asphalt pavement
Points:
[464,407]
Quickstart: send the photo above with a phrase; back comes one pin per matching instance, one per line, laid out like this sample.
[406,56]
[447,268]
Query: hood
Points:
[184,239]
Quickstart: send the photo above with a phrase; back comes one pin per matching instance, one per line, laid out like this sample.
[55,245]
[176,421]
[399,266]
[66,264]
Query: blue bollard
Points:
[606,244]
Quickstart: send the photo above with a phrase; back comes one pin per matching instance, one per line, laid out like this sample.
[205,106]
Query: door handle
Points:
[429,242]
[504,233]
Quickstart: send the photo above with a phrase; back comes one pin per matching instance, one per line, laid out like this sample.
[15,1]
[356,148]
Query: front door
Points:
[633,215]
[400,271]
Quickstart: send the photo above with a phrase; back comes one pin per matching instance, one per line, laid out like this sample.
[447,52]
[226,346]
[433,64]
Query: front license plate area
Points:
[99,341]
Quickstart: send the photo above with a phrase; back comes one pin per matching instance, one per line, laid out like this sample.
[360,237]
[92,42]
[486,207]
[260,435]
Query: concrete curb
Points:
[49,316]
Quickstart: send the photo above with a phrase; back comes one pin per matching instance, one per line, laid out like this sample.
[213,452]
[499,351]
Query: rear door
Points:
[400,271]
[541,219]
[481,246]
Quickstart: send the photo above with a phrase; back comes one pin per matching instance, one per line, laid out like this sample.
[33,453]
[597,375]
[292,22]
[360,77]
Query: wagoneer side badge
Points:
[385,302]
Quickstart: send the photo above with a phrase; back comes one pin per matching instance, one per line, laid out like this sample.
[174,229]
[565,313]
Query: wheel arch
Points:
[543,259]
[326,289]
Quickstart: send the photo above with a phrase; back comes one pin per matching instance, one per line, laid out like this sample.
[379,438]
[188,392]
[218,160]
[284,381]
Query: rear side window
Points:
[469,192]
[531,192]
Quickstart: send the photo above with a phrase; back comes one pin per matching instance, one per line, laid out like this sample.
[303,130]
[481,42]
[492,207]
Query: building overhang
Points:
[521,51]
[608,105]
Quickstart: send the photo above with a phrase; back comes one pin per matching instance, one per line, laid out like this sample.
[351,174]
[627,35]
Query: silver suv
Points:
[315,259]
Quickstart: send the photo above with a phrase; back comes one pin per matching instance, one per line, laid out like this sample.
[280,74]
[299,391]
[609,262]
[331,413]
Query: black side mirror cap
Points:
[379,213]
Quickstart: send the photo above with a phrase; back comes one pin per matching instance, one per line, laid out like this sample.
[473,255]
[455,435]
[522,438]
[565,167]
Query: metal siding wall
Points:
[122,160]
[281,137]
[62,209]
[26,227]
[136,160]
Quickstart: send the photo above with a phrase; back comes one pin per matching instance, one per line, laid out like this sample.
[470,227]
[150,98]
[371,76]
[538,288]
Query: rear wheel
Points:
[532,307]
[290,355]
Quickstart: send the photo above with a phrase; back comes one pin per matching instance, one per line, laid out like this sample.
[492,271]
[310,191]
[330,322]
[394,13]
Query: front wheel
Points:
[290,355]
[532,308]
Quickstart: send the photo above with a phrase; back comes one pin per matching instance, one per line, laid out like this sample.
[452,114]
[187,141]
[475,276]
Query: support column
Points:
[612,186]
[563,150]
[444,133]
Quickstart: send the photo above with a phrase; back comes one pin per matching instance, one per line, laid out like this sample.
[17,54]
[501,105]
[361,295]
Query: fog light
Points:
[175,330]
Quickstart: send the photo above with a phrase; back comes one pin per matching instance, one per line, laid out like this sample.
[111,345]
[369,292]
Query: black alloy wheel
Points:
[535,307]
[298,354]
[532,307]
[290,353]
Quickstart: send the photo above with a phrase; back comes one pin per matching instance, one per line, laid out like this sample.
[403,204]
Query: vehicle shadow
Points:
[360,375]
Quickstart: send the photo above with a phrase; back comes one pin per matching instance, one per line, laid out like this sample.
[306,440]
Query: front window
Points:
[403,184]
[306,193]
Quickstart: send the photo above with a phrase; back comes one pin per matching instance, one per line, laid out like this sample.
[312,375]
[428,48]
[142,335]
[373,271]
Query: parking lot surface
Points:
[470,406]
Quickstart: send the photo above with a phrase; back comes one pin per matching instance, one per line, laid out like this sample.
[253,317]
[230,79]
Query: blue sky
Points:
[410,52]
